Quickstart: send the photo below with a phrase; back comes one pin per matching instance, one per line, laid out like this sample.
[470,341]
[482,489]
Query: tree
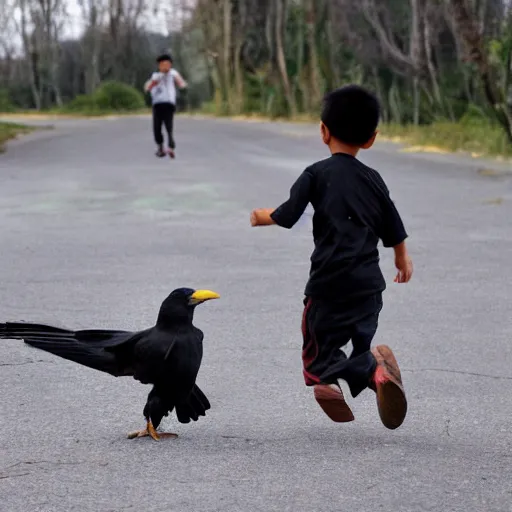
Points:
[470,34]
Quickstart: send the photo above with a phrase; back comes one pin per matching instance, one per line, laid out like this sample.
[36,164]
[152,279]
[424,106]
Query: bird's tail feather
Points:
[20,331]
[101,338]
[72,350]
[62,343]
[196,405]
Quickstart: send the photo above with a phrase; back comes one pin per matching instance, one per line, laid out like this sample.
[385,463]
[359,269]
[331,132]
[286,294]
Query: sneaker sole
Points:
[391,400]
[333,404]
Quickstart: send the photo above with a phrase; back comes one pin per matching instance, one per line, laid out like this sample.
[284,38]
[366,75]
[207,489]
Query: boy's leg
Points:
[376,368]
[169,126]
[386,379]
[357,320]
[331,399]
[319,350]
[387,384]
[157,129]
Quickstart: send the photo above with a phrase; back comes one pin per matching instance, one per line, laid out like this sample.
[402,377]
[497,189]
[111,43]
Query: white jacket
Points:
[165,90]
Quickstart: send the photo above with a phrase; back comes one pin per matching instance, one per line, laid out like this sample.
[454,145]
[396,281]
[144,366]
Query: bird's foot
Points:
[150,431]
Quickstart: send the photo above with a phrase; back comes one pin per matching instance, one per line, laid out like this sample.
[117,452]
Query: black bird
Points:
[168,356]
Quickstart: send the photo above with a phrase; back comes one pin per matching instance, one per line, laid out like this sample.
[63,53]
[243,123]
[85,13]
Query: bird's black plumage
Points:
[167,355]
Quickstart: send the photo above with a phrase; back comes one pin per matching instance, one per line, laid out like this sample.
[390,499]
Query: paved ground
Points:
[95,231]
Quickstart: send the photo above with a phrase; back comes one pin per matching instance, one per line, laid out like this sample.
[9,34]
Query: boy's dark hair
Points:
[351,114]
[164,57]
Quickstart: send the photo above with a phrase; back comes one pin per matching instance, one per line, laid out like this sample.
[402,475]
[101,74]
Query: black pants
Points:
[163,113]
[329,326]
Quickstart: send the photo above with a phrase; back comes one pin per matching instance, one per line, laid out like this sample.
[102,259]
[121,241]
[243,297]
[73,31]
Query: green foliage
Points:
[10,131]
[109,97]
[82,104]
[475,116]
[6,104]
[118,96]
[470,135]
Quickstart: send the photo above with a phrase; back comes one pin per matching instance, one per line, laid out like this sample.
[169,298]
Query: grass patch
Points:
[91,112]
[476,136]
[71,114]
[10,131]
[479,139]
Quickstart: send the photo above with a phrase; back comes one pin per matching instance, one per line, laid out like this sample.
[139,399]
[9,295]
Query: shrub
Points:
[118,96]
[108,97]
[83,103]
[6,104]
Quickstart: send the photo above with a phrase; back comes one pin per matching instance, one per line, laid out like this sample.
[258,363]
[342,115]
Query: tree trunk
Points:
[418,46]
[305,104]
[507,79]
[280,55]
[226,53]
[270,30]
[30,54]
[334,79]
[380,95]
[91,46]
[430,64]
[416,100]
[394,103]
[466,28]
[54,66]
[396,58]
[314,79]
[211,23]
[239,79]
[508,74]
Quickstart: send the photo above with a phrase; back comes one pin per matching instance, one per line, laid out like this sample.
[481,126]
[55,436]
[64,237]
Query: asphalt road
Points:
[95,231]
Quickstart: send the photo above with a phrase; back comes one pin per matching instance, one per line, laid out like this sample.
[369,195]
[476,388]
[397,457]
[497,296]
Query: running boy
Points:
[162,87]
[353,210]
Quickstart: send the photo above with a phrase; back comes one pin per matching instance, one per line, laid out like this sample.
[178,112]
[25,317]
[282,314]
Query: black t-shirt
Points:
[353,210]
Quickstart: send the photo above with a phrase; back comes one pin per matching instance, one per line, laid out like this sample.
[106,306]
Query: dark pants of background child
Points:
[163,113]
[327,326]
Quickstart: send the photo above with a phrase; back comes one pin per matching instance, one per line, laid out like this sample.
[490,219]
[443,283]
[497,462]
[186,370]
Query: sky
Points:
[75,25]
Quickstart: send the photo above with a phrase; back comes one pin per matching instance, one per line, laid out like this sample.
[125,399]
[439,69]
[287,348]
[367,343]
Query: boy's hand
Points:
[403,263]
[152,84]
[261,217]
[404,266]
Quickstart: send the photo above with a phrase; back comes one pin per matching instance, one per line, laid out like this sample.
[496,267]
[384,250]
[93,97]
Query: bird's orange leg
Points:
[150,431]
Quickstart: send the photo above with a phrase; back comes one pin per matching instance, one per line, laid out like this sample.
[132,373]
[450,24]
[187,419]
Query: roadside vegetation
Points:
[10,131]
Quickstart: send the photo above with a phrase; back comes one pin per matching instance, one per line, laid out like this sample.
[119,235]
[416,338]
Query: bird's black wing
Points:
[87,349]
[152,354]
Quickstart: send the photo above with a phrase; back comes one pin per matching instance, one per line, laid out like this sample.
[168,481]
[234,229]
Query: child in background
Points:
[162,87]
[343,297]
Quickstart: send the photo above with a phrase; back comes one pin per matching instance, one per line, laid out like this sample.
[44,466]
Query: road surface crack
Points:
[27,362]
[447,427]
[5,472]
[459,372]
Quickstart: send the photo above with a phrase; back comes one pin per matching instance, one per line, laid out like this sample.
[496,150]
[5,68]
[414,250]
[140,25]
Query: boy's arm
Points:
[150,83]
[403,263]
[179,80]
[393,234]
[291,210]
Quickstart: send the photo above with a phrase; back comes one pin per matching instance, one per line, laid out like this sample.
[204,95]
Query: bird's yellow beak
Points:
[202,295]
